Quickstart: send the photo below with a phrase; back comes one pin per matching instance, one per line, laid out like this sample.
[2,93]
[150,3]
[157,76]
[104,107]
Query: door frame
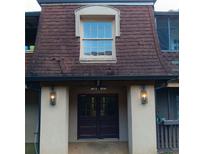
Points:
[97,117]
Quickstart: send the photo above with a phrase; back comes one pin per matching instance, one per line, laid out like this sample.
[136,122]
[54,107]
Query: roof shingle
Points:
[57,48]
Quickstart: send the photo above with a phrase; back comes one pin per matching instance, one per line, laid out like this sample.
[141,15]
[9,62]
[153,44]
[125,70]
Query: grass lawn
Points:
[30,148]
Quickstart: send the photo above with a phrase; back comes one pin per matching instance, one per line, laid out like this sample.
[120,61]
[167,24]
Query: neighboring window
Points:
[177,105]
[97,27]
[168,32]
[29,48]
[97,39]
[167,102]
[31,25]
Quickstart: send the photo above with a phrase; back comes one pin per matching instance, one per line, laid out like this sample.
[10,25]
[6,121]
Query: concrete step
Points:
[98,148]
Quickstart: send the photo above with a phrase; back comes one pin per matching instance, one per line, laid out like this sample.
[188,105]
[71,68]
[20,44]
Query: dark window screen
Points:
[174,33]
[163,32]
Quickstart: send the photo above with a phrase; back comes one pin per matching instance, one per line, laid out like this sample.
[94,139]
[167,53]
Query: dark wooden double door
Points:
[98,116]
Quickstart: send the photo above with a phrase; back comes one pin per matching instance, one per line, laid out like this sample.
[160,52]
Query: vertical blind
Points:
[168,32]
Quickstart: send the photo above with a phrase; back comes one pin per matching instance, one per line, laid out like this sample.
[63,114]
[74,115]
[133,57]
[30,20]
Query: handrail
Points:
[168,135]
[171,122]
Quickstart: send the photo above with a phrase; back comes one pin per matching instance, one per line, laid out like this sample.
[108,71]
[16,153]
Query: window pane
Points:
[108,30]
[97,29]
[87,106]
[101,31]
[87,30]
[97,47]
[108,105]
[173,103]
[87,51]
[174,34]
[163,33]
[93,32]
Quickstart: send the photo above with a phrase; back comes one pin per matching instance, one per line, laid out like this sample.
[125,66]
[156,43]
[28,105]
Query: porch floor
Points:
[98,147]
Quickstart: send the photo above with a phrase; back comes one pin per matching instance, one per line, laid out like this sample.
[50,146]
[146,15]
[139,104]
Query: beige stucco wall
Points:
[74,92]
[141,122]
[173,85]
[54,122]
[31,115]
[59,123]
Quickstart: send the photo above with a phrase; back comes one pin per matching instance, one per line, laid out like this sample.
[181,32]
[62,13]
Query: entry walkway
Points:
[99,147]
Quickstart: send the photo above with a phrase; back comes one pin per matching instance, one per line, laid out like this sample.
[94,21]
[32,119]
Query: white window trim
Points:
[29,51]
[97,11]
[98,59]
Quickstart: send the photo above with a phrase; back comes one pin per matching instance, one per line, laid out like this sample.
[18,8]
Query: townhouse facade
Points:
[102,72]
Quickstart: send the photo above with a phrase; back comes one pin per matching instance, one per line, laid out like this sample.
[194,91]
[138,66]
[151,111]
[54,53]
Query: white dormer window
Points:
[97,27]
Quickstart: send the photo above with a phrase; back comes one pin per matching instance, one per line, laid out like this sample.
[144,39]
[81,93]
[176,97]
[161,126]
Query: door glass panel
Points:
[87,117]
[98,116]
[108,106]
[87,106]
[109,126]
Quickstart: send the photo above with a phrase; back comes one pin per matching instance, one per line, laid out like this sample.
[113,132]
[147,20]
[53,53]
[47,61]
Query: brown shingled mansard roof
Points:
[57,48]
[92,1]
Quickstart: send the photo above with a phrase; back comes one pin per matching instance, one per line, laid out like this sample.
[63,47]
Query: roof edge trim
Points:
[53,79]
[166,13]
[122,3]
[94,1]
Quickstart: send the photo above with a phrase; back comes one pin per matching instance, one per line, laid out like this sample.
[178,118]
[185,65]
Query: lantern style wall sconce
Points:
[52,97]
[143,95]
